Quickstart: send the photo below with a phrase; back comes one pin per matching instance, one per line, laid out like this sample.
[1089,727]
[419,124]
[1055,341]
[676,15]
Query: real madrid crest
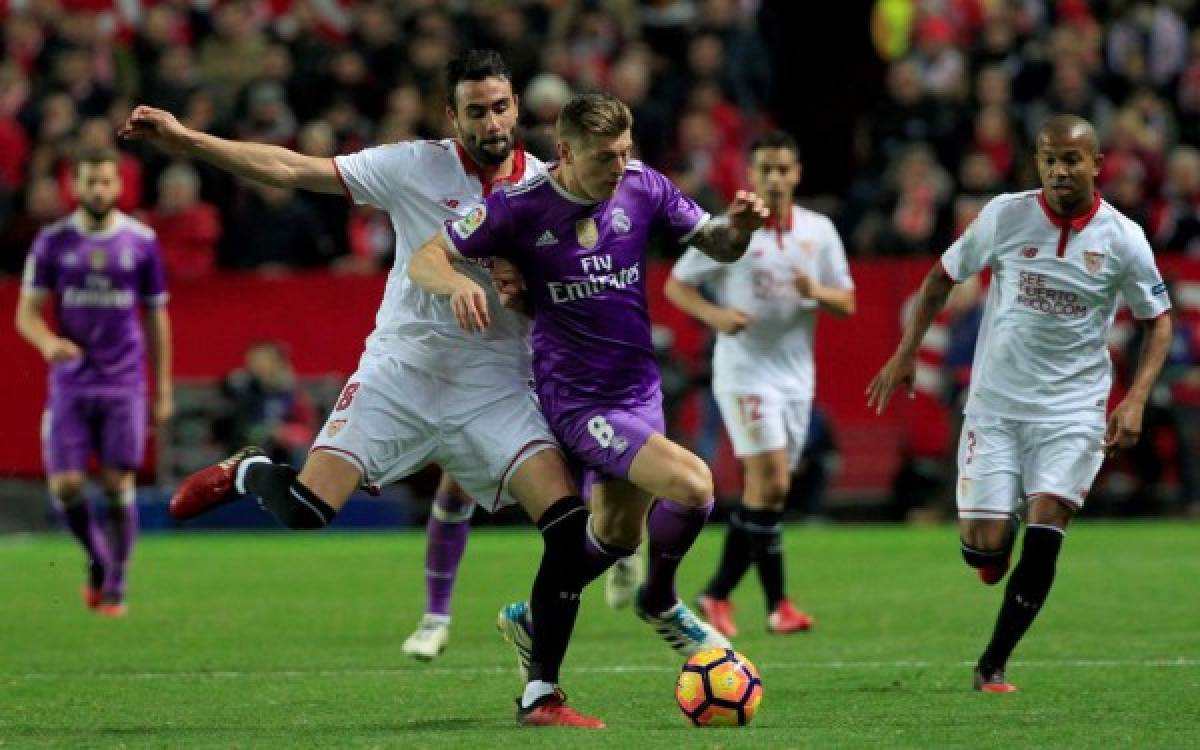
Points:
[127,261]
[586,232]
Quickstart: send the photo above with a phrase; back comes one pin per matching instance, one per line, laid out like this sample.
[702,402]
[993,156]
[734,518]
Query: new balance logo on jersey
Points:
[546,239]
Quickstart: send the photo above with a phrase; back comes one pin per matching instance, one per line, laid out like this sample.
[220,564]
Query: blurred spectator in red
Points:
[699,147]
[188,229]
[1125,189]
[943,68]
[266,407]
[43,205]
[14,151]
[1176,219]
[1130,140]
[996,138]
[916,205]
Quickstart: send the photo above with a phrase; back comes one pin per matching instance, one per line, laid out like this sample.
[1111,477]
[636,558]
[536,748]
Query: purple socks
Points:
[78,518]
[123,528]
[445,543]
[672,529]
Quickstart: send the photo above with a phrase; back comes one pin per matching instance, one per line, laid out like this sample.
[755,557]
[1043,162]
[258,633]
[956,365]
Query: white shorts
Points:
[1004,461]
[765,421]
[391,420]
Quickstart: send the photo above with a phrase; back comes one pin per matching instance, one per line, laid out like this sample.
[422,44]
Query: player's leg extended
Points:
[445,542]
[1027,589]
[119,491]
[70,502]
[573,555]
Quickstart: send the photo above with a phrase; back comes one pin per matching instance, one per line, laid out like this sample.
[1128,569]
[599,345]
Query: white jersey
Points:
[421,184]
[1041,353]
[776,348]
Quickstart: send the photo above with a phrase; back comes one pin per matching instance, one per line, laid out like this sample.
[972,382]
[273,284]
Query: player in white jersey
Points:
[424,392]
[763,377]
[1035,427]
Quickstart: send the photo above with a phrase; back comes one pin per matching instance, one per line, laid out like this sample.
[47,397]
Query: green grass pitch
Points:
[290,640]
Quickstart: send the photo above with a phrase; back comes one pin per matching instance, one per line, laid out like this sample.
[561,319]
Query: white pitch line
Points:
[1177,662]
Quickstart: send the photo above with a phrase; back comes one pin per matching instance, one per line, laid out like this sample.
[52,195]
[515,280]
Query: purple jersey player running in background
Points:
[99,266]
[578,237]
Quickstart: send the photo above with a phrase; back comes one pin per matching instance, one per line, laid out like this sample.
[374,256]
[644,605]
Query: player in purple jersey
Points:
[99,266]
[578,237]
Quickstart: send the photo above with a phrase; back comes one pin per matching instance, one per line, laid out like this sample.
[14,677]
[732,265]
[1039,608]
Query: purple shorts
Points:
[602,439]
[75,425]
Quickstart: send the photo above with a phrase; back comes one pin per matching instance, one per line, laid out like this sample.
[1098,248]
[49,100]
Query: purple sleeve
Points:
[152,284]
[485,231]
[39,267]
[678,215]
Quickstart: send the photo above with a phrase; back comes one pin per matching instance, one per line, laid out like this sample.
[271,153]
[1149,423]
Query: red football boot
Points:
[112,608]
[993,681]
[552,711]
[787,619]
[209,488]
[91,596]
[719,613]
[993,574]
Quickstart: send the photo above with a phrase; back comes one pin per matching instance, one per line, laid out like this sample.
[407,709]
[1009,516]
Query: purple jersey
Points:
[97,279]
[584,269]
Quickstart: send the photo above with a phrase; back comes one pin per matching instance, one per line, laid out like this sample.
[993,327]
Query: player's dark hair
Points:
[597,114]
[474,65]
[95,156]
[775,139]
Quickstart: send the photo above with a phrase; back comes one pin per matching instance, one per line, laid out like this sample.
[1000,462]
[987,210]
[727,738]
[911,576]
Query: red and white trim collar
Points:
[471,167]
[1074,222]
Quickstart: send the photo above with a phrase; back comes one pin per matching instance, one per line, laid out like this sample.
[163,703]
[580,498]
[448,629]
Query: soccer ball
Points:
[719,687]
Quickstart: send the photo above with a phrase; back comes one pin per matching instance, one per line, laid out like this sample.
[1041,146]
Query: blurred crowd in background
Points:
[953,92]
[963,84]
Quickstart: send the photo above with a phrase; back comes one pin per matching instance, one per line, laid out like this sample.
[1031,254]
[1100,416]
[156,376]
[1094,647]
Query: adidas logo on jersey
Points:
[547,238]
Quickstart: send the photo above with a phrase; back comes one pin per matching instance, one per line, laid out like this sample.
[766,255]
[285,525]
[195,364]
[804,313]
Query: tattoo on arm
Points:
[719,240]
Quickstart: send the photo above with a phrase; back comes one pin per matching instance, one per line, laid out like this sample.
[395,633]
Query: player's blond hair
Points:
[593,115]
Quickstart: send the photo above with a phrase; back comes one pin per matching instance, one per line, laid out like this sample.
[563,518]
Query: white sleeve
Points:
[832,267]
[975,249]
[1142,285]
[694,267]
[378,176]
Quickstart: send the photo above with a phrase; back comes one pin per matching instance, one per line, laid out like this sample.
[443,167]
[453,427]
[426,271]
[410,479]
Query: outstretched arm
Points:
[272,165]
[902,367]
[725,238]
[431,267]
